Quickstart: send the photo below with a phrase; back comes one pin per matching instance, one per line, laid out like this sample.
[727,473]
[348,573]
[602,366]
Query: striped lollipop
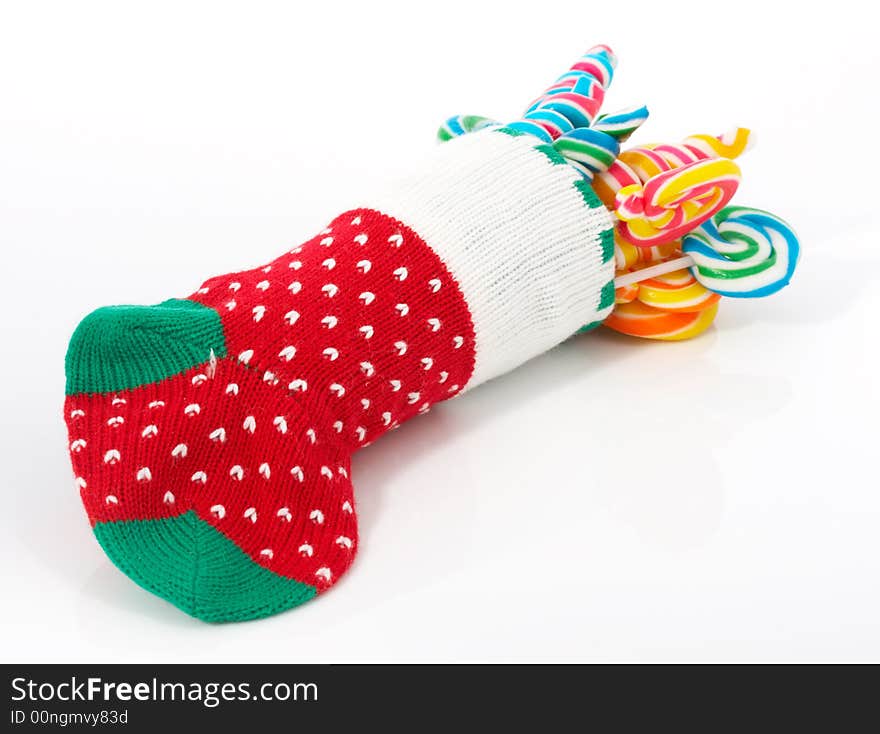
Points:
[590,75]
[588,150]
[670,305]
[671,291]
[462,125]
[620,125]
[627,255]
[566,115]
[636,166]
[572,102]
[675,201]
[593,149]
[743,252]
[647,322]
[662,191]
[740,252]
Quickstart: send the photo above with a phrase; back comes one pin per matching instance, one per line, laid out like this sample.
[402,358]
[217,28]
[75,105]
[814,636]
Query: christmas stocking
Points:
[211,436]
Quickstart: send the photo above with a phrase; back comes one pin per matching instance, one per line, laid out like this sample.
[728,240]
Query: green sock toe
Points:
[123,347]
[191,564]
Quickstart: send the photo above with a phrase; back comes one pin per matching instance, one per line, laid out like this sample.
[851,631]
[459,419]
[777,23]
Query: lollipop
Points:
[462,125]
[743,253]
[627,255]
[566,115]
[572,102]
[674,202]
[668,293]
[638,165]
[592,150]
[588,150]
[590,75]
[676,291]
[671,305]
[620,125]
[637,319]
[661,192]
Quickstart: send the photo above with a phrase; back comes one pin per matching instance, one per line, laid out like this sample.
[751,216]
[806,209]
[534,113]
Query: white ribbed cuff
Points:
[527,241]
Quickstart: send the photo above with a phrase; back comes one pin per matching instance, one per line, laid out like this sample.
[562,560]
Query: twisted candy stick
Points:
[627,255]
[620,125]
[462,125]
[592,150]
[599,62]
[566,115]
[573,100]
[661,192]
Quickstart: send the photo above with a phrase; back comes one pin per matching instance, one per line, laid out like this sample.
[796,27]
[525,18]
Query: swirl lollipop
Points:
[636,166]
[670,306]
[662,191]
[638,319]
[743,253]
[664,292]
[676,291]
[676,201]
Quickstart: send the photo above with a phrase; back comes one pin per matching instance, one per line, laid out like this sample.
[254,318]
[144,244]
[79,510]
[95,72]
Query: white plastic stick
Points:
[685,261]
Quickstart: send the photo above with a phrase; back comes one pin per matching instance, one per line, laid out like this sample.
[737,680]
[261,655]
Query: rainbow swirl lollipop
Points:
[664,292]
[672,203]
[670,305]
[662,191]
[638,319]
[743,253]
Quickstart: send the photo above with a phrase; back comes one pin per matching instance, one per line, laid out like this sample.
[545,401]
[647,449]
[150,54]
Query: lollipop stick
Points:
[670,266]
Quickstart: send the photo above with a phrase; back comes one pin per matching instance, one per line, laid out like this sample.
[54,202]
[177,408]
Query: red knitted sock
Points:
[211,436]
[231,416]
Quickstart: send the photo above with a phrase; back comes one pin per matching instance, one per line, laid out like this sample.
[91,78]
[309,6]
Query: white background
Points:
[710,500]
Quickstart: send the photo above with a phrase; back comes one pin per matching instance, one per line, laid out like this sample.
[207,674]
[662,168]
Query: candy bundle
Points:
[678,245]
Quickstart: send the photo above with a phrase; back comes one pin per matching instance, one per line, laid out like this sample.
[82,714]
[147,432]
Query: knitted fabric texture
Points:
[211,436]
